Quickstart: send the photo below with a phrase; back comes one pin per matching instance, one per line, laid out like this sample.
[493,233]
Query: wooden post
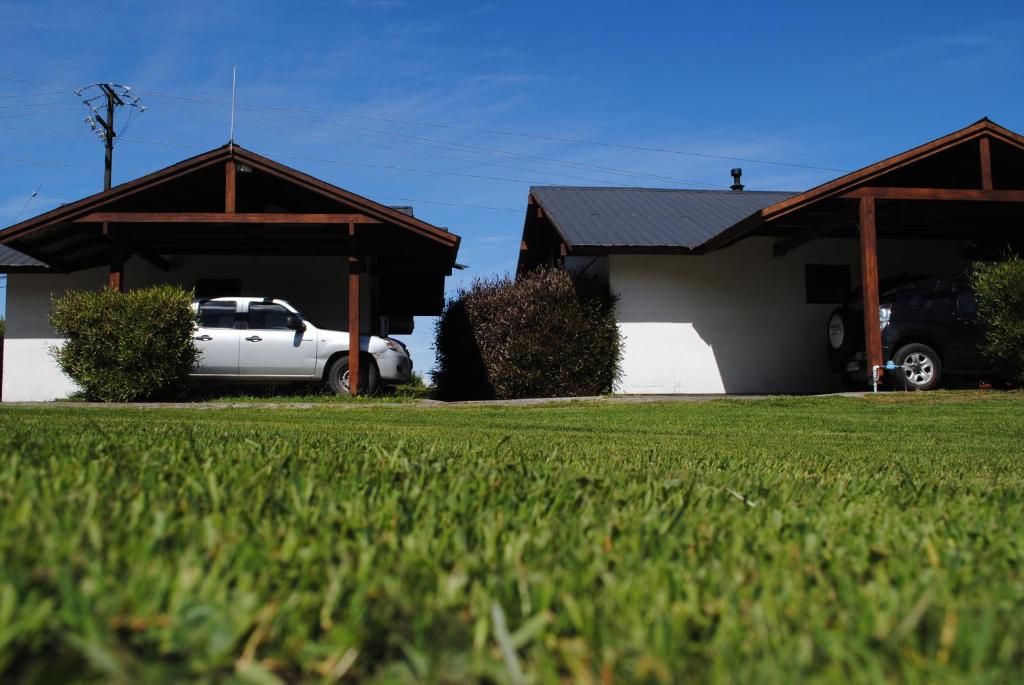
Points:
[353,313]
[869,285]
[115,280]
[115,277]
[986,163]
[230,170]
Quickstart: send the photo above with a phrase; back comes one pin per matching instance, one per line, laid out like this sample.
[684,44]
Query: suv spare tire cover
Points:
[836,330]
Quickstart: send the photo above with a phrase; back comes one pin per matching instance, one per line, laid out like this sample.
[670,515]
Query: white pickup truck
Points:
[263,340]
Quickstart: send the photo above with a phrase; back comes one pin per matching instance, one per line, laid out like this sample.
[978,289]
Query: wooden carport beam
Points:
[961,194]
[230,175]
[985,153]
[221,218]
[869,286]
[353,313]
[787,245]
[115,277]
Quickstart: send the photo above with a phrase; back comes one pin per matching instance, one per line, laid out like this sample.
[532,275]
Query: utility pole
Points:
[115,96]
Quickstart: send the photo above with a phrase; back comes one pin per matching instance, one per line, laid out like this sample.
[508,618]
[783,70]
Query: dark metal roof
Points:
[16,261]
[647,217]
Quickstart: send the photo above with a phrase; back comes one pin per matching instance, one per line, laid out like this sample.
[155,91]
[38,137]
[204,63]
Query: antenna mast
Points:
[231,133]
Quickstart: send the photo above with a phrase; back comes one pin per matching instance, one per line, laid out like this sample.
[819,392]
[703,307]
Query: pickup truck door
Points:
[217,339]
[269,348]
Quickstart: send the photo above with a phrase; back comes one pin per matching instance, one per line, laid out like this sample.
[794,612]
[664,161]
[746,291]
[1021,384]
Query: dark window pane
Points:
[827,283]
[939,301]
[209,288]
[268,316]
[217,314]
[965,302]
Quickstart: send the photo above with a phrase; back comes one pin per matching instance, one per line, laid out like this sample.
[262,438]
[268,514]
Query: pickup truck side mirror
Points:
[295,323]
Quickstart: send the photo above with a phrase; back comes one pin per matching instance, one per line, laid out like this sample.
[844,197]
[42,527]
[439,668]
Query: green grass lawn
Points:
[790,540]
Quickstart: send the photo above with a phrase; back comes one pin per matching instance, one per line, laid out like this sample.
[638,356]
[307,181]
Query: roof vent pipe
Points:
[736,185]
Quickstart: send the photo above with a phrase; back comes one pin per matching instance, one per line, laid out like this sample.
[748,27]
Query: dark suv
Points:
[929,328]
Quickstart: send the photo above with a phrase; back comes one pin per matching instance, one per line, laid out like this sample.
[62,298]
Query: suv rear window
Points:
[965,301]
[220,314]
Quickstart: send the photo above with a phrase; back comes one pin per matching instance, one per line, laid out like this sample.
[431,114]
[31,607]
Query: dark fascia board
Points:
[28,270]
[374,209]
[981,128]
[89,203]
[834,188]
[222,154]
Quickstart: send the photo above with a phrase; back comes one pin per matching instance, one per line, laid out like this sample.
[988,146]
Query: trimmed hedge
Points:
[547,334]
[999,287]
[126,347]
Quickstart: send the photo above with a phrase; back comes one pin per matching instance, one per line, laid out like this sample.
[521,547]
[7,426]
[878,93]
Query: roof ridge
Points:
[662,190]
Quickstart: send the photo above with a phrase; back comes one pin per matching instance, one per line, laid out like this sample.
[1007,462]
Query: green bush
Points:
[546,334]
[125,347]
[999,287]
[416,388]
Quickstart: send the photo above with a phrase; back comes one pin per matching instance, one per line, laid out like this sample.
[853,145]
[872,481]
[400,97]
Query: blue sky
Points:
[806,83]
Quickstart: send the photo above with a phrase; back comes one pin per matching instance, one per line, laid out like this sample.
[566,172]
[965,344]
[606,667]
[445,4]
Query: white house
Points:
[730,291]
[226,222]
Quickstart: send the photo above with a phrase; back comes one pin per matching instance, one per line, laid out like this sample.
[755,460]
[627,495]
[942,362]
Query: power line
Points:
[36,114]
[518,134]
[399,168]
[36,83]
[34,104]
[5,96]
[463,147]
[386,166]
[49,175]
[450,204]
[63,164]
[86,135]
[448,145]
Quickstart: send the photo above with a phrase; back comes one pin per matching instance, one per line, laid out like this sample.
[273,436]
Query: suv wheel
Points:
[337,376]
[921,367]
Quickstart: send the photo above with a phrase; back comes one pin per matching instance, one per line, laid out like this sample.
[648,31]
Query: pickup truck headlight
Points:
[884,314]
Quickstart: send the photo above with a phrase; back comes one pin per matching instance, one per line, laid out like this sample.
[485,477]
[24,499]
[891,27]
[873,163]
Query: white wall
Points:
[736,320]
[317,285]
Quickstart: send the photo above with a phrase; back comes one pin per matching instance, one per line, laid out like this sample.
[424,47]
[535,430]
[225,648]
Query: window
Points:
[965,302]
[827,283]
[209,288]
[217,314]
[268,317]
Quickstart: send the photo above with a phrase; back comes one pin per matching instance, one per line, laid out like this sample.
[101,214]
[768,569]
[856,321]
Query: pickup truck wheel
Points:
[921,367]
[337,376]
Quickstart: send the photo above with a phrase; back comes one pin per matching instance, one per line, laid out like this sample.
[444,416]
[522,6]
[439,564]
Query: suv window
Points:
[217,314]
[268,316]
[938,301]
[965,301]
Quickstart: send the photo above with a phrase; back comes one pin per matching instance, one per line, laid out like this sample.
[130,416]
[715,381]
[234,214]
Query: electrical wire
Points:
[157,142]
[6,96]
[417,140]
[385,166]
[518,134]
[49,175]
[65,164]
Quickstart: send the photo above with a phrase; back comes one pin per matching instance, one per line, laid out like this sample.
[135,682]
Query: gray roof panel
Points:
[647,217]
[12,258]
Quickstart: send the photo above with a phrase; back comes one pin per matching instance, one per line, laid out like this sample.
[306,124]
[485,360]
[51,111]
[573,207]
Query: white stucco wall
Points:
[317,285]
[736,320]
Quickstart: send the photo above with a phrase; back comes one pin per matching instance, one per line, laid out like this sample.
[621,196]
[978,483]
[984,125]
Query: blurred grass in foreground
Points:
[828,540]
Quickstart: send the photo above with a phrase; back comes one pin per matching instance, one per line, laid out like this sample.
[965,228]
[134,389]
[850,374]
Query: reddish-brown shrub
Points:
[547,334]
